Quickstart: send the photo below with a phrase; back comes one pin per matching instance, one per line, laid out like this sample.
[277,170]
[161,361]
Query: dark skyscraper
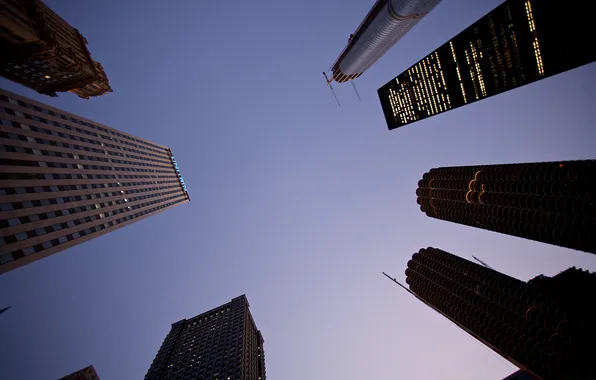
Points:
[550,202]
[222,343]
[519,42]
[43,52]
[87,373]
[65,180]
[545,326]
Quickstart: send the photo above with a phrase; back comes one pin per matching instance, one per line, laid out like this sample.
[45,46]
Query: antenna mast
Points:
[482,262]
[357,94]
[331,87]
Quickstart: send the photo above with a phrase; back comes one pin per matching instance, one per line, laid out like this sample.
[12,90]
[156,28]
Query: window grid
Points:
[87,230]
[63,179]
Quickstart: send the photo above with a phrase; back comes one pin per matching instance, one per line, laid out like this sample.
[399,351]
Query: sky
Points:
[295,202]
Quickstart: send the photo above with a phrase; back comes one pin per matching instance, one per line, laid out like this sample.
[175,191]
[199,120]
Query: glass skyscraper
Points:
[517,43]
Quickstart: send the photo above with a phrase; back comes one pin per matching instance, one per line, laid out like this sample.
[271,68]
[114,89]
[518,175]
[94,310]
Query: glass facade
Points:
[519,42]
[65,180]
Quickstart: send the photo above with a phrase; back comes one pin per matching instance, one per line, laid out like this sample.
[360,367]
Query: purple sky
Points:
[296,202]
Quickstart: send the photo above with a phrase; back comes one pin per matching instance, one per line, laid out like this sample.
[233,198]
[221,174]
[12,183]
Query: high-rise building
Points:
[541,326]
[43,52]
[87,373]
[550,202]
[385,24]
[222,343]
[519,42]
[65,179]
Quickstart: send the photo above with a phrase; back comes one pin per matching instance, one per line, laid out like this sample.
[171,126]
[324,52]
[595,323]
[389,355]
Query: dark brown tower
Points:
[551,202]
[43,52]
[222,343]
[526,323]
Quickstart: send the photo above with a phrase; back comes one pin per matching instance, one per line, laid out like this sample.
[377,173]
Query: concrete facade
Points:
[550,202]
[223,343]
[65,180]
[525,322]
[87,373]
[42,51]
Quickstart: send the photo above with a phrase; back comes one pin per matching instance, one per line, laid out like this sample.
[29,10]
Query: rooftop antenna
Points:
[357,94]
[398,283]
[482,262]
[331,87]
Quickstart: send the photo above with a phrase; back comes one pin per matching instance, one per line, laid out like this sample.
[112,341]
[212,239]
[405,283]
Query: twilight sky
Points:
[296,202]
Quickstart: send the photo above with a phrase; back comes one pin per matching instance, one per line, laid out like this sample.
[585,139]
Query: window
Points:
[6,258]
[6,206]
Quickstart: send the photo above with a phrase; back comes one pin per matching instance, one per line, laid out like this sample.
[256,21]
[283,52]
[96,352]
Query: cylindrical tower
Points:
[551,202]
[516,319]
[387,22]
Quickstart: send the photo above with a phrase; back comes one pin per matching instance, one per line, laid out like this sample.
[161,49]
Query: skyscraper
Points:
[385,24]
[519,42]
[43,52]
[65,180]
[87,373]
[540,326]
[222,343]
[551,202]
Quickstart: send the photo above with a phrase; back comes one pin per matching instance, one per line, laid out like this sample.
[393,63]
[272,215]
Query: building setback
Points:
[545,326]
[550,202]
[43,52]
[87,373]
[65,180]
[222,343]
[519,42]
